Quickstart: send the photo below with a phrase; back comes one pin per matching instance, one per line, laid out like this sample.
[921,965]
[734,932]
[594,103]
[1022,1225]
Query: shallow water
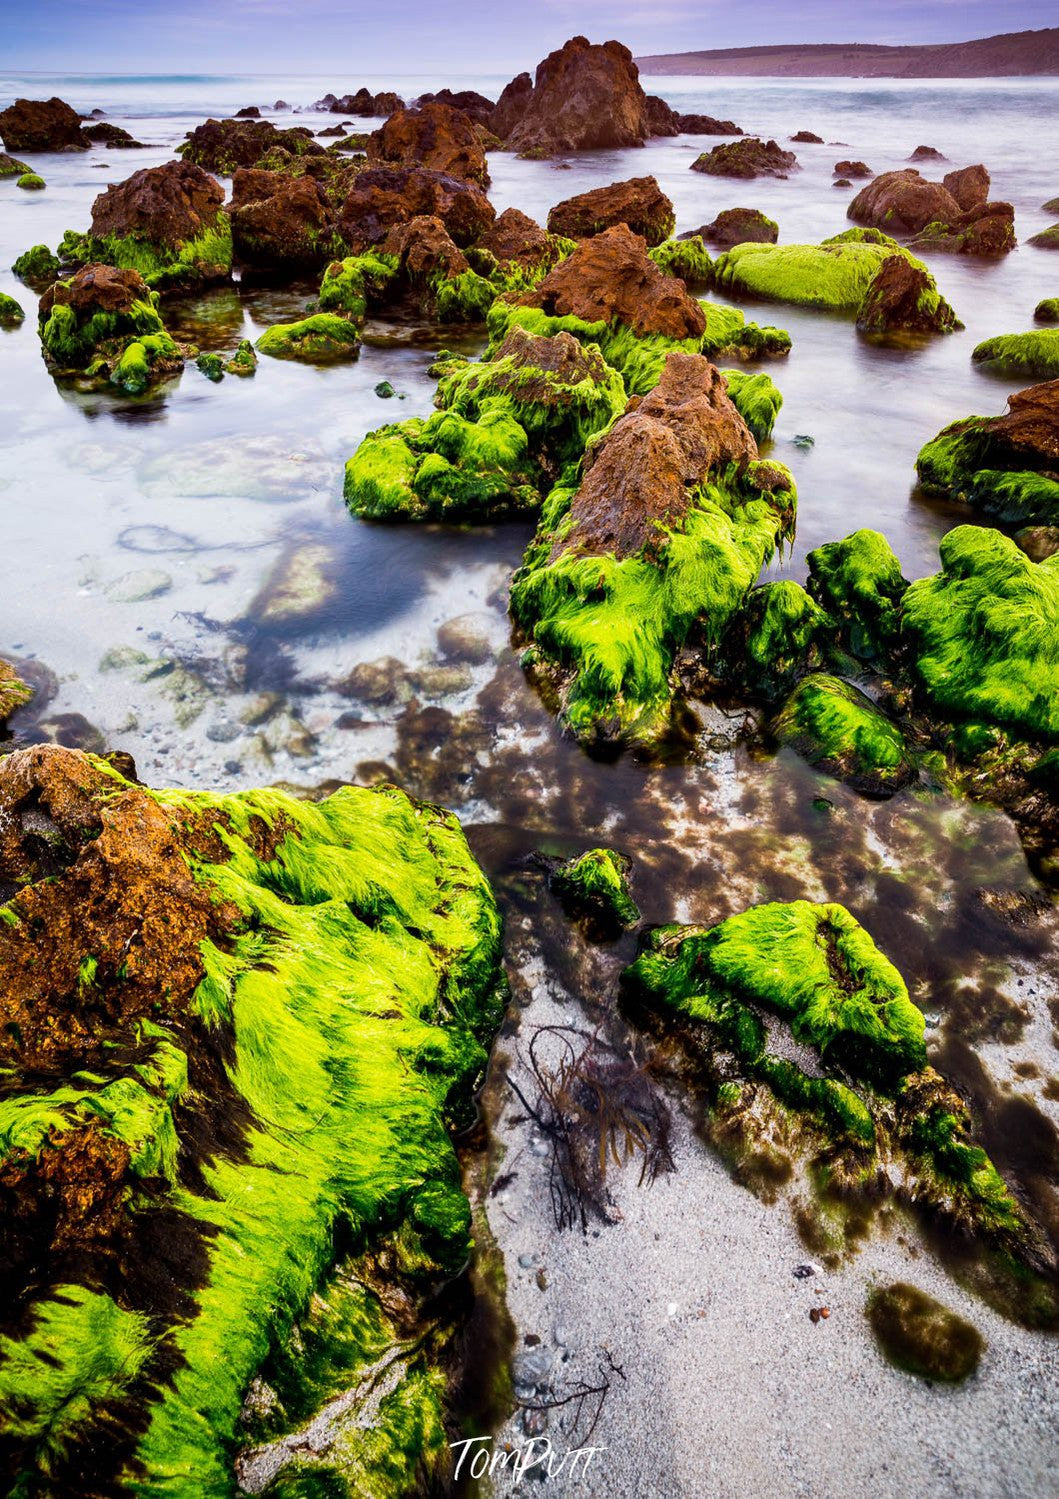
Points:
[203,496]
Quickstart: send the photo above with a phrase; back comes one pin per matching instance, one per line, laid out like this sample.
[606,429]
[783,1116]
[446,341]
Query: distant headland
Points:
[1013,54]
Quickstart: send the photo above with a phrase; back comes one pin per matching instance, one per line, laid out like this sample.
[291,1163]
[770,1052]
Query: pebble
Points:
[224,732]
[527,1261]
[134,588]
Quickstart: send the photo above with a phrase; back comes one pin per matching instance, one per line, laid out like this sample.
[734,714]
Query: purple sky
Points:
[471,36]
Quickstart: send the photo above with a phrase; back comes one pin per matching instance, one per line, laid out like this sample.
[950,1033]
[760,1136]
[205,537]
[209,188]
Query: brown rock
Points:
[969,186]
[96,288]
[364,104]
[639,480]
[707,125]
[749,157]
[1038,542]
[639,202]
[223,145]
[898,300]
[165,205]
[511,106]
[279,220]
[738,226]
[611,278]
[41,125]
[807,138]
[249,112]
[515,237]
[926,153]
[436,136]
[903,202]
[14,692]
[472,103]
[985,229]
[383,196]
[105,134]
[852,169]
[424,247]
[584,98]
[662,120]
[1027,435]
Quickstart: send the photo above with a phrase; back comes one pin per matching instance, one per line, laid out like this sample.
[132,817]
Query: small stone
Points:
[223,732]
[803,1272]
[384,390]
[542,1281]
[531,1340]
[137,587]
[803,440]
[527,1261]
[466,638]
[261,708]
[814,1314]
[534,1422]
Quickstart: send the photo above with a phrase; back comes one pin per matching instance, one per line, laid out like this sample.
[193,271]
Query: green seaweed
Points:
[37,265]
[778,635]
[11,312]
[31,182]
[687,258]
[324,336]
[921,1336]
[858,582]
[1033,354]
[1047,310]
[348,286]
[834,726]
[967,464]
[595,887]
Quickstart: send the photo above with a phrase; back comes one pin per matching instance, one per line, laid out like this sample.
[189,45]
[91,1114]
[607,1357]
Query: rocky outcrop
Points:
[167,222]
[852,169]
[807,138]
[41,125]
[517,240]
[926,153]
[383,196]
[906,203]
[584,98]
[279,220]
[662,120]
[105,134]
[902,298]
[740,226]
[363,104]
[221,146]
[435,136]
[219,1055]
[639,203]
[749,157]
[699,124]
[987,229]
[105,320]
[610,278]
[468,100]
[969,186]
[902,202]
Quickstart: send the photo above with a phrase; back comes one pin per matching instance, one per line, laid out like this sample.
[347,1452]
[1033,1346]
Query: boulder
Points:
[435,136]
[610,278]
[511,106]
[468,100]
[852,169]
[323,338]
[740,226]
[249,112]
[1048,239]
[638,203]
[515,239]
[11,167]
[221,146]
[902,298]
[662,119]
[926,153]
[749,157]
[169,216]
[105,320]
[840,731]
[697,124]
[969,186]
[807,138]
[278,220]
[364,104]
[584,98]
[383,196]
[903,202]
[41,125]
[985,229]
[104,134]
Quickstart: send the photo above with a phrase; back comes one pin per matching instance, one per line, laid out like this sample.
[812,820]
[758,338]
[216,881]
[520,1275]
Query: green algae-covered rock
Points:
[323,337]
[687,258]
[14,693]
[212,366]
[858,582]
[757,398]
[142,361]
[104,323]
[1047,310]
[1005,466]
[1047,239]
[918,1334]
[983,634]
[508,425]
[1021,354]
[729,336]
[595,887]
[31,182]
[237,1031]
[37,265]
[11,312]
[668,530]
[11,167]
[348,285]
[838,729]
[779,634]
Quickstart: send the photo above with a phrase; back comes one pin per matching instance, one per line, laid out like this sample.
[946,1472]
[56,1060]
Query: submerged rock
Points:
[165,222]
[41,125]
[583,98]
[667,531]
[324,337]
[105,134]
[859,583]
[1047,239]
[749,157]
[1005,466]
[435,136]
[1021,354]
[9,167]
[853,169]
[31,182]
[224,1060]
[839,730]
[740,226]
[104,322]
[918,1334]
[639,203]
[594,887]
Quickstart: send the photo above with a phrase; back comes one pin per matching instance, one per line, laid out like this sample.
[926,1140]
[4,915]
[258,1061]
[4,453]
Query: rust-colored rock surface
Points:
[969,186]
[902,202]
[167,205]
[740,226]
[638,202]
[223,145]
[903,298]
[434,136]
[96,288]
[584,97]
[41,125]
[749,157]
[383,196]
[516,238]
[424,247]
[278,220]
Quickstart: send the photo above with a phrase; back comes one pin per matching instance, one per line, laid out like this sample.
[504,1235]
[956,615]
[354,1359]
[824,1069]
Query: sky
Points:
[463,36]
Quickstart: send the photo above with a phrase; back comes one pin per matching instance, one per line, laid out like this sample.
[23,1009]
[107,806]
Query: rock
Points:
[41,125]
[10,167]
[594,888]
[113,136]
[125,934]
[378,682]
[918,1334]
[1047,239]
[37,266]
[985,229]
[467,100]
[1047,310]
[279,220]
[661,119]
[840,731]
[610,278]
[221,146]
[926,153]
[212,366]
[902,297]
[438,272]
[31,182]
[749,157]
[11,312]
[806,137]
[322,338]
[740,226]
[638,203]
[1005,466]
[435,136]
[1022,355]
[106,320]
[250,112]
[698,124]
[602,633]
[852,169]
[859,583]
[334,130]
[166,222]
[14,693]
[383,196]
[1038,542]
[969,186]
[903,202]
[511,106]
[299,586]
[584,98]
[243,362]
[363,104]
[281,104]
[842,182]
[138,587]
[515,239]
[467,637]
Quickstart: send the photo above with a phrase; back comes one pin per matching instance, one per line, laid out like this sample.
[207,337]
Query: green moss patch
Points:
[594,887]
[323,338]
[37,265]
[1026,355]
[11,312]
[838,729]
[918,1334]
[31,182]
[858,582]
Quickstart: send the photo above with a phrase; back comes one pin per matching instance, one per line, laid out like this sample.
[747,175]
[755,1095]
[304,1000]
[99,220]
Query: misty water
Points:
[180,579]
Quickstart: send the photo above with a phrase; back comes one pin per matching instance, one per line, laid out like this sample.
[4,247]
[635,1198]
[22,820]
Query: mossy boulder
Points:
[594,887]
[167,223]
[749,157]
[37,266]
[740,226]
[11,312]
[1047,310]
[31,182]
[778,635]
[903,298]
[686,257]
[838,729]
[104,323]
[1047,239]
[1005,466]
[11,167]
[282,222]
[859,583]
[14,693]
[322,338]
[237,1033]
[222,146]
[983,634]
[1034,355]
[243,362]
[918,1334]
[432,268]
[668,529]
[639,203]
[350,285]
